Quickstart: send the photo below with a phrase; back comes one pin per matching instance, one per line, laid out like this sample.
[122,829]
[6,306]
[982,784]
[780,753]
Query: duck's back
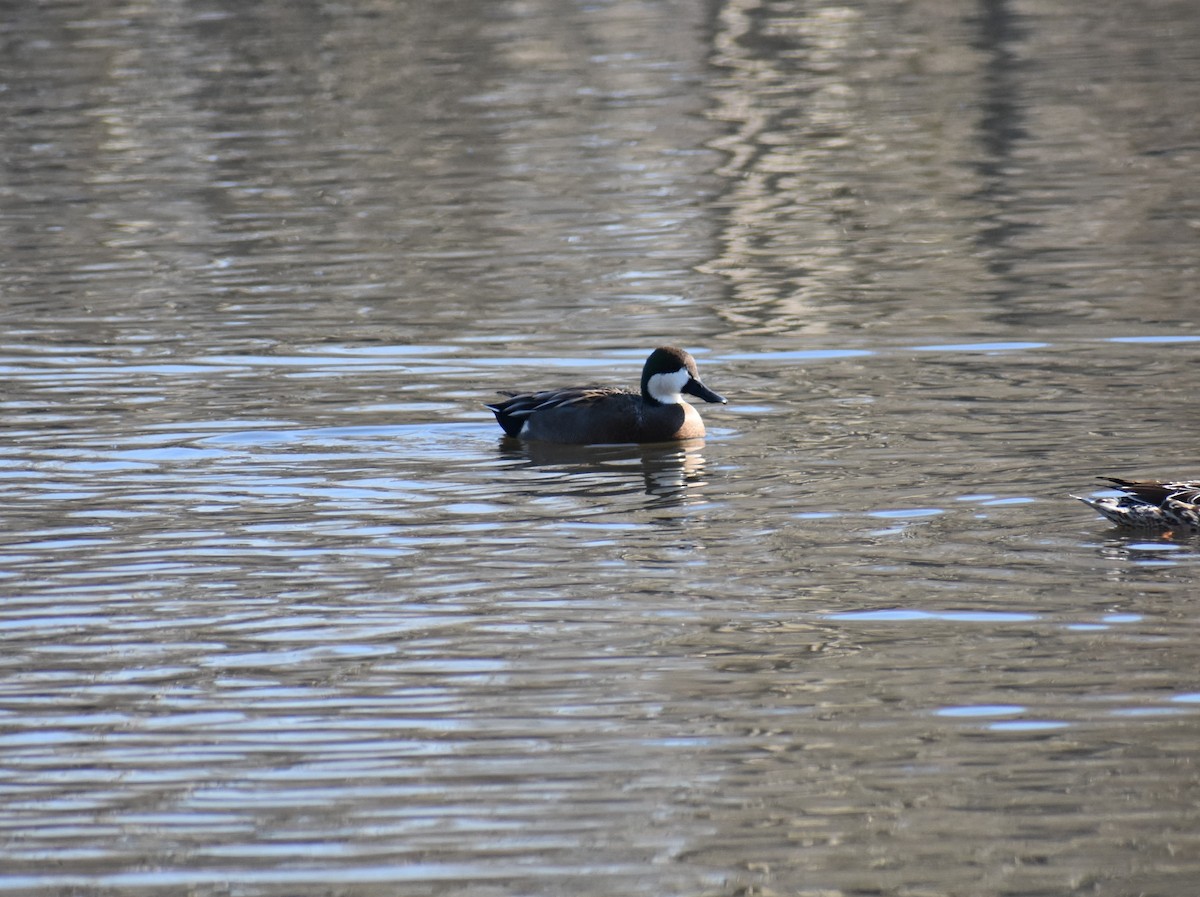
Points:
[593,417]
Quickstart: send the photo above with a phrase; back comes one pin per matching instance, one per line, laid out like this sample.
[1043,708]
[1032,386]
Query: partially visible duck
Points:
[592,415]
[1151,505]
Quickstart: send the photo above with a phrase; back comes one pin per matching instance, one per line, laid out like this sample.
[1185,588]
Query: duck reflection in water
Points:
[672,473]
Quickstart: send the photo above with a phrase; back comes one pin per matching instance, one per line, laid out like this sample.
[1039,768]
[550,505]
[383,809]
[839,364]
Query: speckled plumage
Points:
[1151,505]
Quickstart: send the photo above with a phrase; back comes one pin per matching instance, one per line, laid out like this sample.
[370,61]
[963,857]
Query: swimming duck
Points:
[590,415]
[1151,505]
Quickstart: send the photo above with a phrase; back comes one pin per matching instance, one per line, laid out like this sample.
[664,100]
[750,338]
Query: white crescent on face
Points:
[668,388]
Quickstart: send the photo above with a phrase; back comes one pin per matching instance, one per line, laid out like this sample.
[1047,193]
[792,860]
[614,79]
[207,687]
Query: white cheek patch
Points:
[668,388]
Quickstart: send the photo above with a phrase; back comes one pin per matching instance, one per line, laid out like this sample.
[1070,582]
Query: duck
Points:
[604,415]
[1151,504]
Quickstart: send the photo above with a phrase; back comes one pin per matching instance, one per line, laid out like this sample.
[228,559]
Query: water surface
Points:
[283,613]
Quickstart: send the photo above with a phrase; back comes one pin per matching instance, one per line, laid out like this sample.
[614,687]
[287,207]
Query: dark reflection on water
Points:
[1000,130]
[282,612]
[670,473]
[891,169]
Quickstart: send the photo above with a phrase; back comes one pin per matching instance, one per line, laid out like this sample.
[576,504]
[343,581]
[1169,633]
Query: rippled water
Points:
[281,611]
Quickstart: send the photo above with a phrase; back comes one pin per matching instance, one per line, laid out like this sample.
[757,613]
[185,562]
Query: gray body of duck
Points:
[595,415]
[1151,505]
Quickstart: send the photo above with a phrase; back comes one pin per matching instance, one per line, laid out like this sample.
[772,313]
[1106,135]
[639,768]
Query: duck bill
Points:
[699,390]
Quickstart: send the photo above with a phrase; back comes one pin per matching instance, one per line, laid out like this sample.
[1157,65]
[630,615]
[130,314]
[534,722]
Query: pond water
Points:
[281,611]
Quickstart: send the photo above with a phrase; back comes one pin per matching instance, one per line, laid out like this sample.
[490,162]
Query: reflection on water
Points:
[972,169]
[282,611]
[670,473]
